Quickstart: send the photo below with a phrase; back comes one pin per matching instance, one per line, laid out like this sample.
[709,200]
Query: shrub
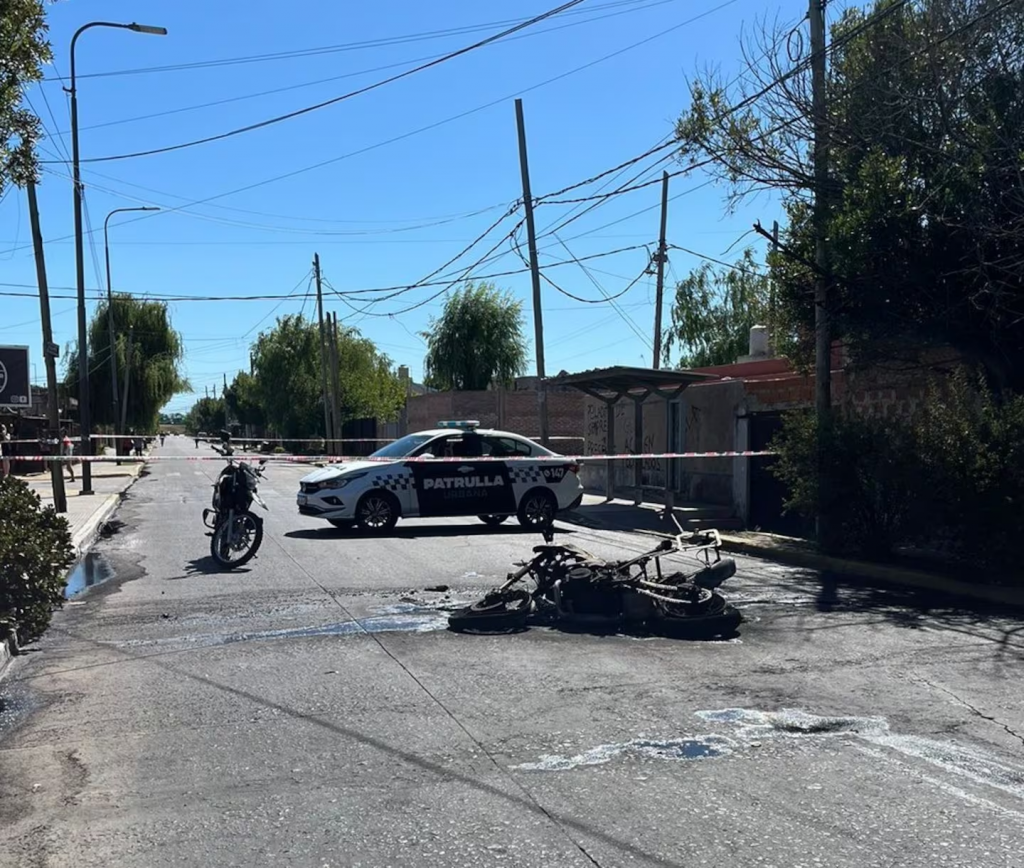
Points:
[279,450]
[35,554]
[873,476]
[955,471]
[971,444]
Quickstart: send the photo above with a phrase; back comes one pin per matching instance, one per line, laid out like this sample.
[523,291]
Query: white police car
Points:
[376,492]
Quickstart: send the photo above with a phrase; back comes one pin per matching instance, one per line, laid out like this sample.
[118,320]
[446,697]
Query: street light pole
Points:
[110,310]
[83,356]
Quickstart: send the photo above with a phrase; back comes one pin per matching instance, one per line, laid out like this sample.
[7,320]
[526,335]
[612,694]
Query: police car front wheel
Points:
[377,511]
[537,509]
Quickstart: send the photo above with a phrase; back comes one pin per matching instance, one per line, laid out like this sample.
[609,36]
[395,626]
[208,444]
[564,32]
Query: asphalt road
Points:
[178,716]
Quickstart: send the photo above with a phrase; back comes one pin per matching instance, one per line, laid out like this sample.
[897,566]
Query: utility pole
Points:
[538,319]
[822,331]
[662,258]
[335,383]
[323,348]
[50,349]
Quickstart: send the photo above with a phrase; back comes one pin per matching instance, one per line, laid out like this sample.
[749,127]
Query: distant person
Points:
[138,447]
[5,451]
[162,438]
[67,450]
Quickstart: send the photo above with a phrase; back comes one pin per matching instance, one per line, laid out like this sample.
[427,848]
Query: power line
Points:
[415,132]
[381,42]
[354,74]
[334,100]
[265,297]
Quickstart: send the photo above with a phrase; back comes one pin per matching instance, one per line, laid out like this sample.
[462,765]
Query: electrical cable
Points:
[334,100]
[411,133]
[378,43]
[354,74]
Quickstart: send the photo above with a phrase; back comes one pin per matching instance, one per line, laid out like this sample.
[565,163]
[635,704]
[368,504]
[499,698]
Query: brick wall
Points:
[510,411]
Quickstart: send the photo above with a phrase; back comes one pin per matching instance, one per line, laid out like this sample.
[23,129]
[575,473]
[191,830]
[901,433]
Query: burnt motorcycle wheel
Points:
[499,611]
[716,619]
[233,550]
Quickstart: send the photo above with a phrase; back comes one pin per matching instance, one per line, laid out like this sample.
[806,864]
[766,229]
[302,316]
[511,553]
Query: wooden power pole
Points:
[662,258]
[822,330]
[328,433]
[50,349]
[531,235]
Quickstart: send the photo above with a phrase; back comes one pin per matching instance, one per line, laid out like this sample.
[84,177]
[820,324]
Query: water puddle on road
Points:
[401,618]
[90,571]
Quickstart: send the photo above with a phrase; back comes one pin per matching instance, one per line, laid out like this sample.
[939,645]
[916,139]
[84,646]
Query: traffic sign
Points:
[15,390]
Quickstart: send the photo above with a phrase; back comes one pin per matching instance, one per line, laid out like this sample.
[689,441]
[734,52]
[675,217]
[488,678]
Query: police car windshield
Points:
[403,447]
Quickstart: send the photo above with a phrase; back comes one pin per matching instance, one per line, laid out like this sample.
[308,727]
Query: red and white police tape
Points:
[335,459]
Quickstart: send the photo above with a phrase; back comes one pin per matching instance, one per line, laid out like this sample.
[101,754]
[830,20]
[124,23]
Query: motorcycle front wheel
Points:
[235,542]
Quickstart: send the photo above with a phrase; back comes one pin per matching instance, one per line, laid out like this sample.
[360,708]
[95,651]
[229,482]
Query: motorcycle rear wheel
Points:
[248,535]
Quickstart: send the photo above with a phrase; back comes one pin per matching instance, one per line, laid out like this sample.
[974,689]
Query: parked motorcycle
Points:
[570,588]
[237,531]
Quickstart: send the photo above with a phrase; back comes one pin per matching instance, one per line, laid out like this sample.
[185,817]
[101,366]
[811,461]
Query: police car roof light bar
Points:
[466,425]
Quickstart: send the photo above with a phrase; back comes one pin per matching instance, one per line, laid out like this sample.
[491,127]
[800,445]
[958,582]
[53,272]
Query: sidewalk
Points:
[86,513]
[623,515]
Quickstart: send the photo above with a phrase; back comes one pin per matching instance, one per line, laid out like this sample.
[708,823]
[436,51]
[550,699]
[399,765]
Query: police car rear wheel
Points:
[377,512]
[537,509]
[492,520]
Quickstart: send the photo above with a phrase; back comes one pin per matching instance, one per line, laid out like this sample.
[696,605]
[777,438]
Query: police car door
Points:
[462,485]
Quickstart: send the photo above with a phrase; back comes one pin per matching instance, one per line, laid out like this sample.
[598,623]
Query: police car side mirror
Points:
[427,455]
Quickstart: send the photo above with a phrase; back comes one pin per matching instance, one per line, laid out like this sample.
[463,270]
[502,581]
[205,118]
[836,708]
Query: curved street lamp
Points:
[110,310]
[83,365]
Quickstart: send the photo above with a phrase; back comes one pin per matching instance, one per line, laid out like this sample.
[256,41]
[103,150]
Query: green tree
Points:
[477,342]
[242,400]
[207,414]
[24,49]
[148,354]
[714,310]
[286,364]
[926,208]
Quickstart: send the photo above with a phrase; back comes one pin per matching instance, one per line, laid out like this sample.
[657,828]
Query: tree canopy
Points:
[286,380]
[926,205]
[714,310]
[24,49]
[146,347]
[477,341]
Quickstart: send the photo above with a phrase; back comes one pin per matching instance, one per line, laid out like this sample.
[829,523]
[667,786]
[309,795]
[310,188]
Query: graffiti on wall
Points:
[596,429]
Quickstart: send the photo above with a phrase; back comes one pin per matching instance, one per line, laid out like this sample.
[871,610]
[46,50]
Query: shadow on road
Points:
[205,566]
[911,608]
[426,531]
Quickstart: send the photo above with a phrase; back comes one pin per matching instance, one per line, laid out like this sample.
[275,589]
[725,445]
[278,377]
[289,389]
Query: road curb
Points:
[82,538]
[887,573]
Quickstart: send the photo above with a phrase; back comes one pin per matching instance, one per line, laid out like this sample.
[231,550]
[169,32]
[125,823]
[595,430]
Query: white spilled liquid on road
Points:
[751,727]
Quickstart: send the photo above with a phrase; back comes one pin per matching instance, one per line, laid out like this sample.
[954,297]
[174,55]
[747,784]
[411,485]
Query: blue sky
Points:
[378,213]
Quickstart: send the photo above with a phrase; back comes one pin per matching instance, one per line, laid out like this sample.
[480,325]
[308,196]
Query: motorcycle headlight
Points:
[340,481]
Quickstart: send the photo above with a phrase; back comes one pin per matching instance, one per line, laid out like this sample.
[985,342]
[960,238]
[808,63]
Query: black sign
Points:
[473,488]
[15,390]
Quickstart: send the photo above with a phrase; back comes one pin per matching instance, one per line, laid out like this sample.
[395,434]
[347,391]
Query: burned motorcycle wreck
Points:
[564,586]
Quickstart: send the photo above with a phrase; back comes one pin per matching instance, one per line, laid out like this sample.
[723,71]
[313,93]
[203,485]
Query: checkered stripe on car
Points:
[523,473]
[394,481]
